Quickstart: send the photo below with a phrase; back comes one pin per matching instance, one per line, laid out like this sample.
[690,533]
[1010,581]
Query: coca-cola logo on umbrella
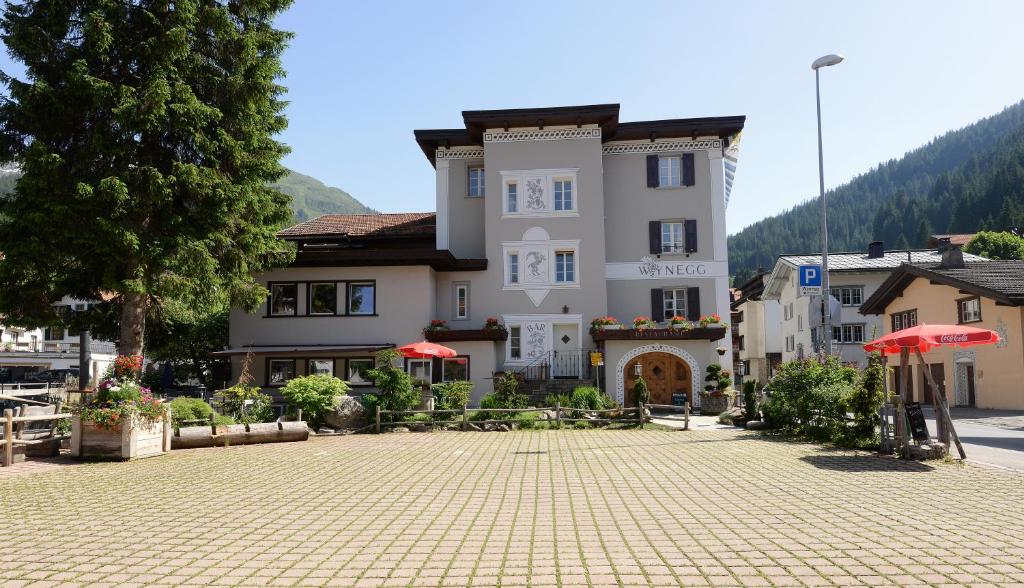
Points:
[953,338]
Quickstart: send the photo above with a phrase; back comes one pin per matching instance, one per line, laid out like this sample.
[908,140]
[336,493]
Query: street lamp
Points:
[826,323]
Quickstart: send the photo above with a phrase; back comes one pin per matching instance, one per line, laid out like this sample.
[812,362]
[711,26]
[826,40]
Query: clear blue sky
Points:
[362,76]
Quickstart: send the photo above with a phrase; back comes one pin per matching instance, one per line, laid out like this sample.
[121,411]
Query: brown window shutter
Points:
[693,303]
[652,171]
[690,235]
[657,304]
[689,178]
[654,235]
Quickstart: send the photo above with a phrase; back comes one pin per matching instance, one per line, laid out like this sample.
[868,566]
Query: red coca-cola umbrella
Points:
[426,350]
[923,338]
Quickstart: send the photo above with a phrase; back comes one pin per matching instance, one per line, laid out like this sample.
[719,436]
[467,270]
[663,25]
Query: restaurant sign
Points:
[649,268]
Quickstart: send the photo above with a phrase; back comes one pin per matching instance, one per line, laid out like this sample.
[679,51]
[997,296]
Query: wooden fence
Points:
[628,415]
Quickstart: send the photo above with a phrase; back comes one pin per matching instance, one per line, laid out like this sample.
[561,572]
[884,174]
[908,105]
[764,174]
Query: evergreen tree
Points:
[145,134]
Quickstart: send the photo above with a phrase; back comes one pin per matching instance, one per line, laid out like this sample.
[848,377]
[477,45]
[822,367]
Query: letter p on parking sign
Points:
[810,279]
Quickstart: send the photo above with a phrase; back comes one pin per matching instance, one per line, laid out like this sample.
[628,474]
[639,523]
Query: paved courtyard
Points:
[547,508]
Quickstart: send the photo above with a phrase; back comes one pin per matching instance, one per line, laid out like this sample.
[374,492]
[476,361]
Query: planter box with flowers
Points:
[438,332]
[677,328]
[605,323]
[123,420]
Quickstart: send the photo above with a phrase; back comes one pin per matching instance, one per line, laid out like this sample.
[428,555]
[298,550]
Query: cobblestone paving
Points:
[547,508]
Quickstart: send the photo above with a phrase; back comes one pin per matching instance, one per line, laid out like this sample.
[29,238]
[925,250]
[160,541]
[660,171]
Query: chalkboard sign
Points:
[679,399]
[918,428]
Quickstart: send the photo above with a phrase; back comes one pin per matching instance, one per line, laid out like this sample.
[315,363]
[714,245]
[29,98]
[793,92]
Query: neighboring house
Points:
[758,335]
[546,219]
[853,277]
[26,352]
[960,239]
[988,295]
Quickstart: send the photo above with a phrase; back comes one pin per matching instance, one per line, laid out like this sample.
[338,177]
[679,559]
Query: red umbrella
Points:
[923,337]
[426,350]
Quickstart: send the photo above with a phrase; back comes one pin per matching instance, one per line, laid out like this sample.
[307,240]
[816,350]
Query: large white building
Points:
[853,278]
[546,219]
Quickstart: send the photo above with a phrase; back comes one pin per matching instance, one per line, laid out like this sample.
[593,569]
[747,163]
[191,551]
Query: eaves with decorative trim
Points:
[460,153]
[619,148]
[541,135]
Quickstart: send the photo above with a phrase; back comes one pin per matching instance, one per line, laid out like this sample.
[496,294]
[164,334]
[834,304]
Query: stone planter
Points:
[713,403]
[89,441]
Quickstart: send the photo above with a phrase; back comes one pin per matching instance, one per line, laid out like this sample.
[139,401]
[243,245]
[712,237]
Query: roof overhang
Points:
[292,350]
[440,260]
[898,281]
[605,116]
[777,280]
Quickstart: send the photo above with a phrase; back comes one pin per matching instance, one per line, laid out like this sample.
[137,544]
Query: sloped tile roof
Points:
[1001,280]
[860,261]
[1003,276]
[364,225]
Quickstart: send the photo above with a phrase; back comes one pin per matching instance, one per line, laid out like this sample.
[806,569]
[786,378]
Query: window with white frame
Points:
[513,268]
[462,301]
[515,342]
[850,333]
[359,371]
[419,370]
[512,196]
[904,320]
[848,295]
[969,310]
[669,171]
[675,303]
[476,182]
[563,195]
[799,322]
[565,266]
[671,237]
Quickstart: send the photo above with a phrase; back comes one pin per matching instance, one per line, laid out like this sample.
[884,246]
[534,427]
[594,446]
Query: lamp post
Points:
[826,323]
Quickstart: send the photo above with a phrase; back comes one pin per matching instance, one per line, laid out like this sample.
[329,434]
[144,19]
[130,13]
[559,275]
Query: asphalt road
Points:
[994,437]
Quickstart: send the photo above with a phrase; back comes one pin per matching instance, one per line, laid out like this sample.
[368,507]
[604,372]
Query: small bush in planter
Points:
[314,395]
[718,379]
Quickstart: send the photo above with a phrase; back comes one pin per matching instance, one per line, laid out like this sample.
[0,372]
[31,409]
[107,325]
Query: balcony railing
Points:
[58,347]
[571,365]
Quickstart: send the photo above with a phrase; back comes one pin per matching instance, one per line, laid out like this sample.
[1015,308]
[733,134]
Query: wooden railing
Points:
[635,415]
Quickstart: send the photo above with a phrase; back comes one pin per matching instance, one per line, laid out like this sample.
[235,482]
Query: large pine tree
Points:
[145,132]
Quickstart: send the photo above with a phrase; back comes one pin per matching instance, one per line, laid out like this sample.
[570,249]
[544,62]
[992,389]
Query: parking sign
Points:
[810,280]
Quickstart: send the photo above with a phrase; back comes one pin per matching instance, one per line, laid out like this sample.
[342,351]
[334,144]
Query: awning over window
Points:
[286,349]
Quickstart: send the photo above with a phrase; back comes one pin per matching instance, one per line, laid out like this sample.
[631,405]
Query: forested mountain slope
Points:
[966,180]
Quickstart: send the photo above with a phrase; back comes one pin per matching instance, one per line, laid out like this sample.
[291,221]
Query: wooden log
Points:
[464,418]
[378,418]
[941,410]
[686,416]
[640,414]
[558,415]
[194,437]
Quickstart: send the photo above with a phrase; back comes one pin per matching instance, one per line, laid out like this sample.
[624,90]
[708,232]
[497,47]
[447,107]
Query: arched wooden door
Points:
[665,375]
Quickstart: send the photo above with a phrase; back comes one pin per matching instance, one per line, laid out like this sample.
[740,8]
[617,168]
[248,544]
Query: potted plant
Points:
[123,420]
[492,324]
[604,323]
[680,323]
[712,320]
[641,322]
[436,325]
[715,398]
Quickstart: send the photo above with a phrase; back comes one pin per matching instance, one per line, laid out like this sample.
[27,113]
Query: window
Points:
[454,368]
[675,303]
[513,268]
[668,171]
[848,295]
[476,182]
[671,237]
[515,349]
[511,197]
[904,320]
[848,334]
[969,310]
[462,301]
[320,367]
[563,195]
[419,370]
[565,266]
[283,299]
[362,298]
[358,372]
[800,322]
[279,371]
[323,298]
[741,342]
[791,343]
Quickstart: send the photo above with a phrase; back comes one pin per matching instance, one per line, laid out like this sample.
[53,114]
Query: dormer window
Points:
[476,182]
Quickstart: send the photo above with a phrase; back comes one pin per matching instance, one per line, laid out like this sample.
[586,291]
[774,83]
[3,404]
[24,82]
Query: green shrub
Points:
[394,385]
[527,420]
[795,392]
[560,399]
[750,400]
[866,401]
[591,398]
[184,409]
[640,392]
[717,378]
[314,395]
[246,404]
[506,390]
[725,418]
[452,395]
